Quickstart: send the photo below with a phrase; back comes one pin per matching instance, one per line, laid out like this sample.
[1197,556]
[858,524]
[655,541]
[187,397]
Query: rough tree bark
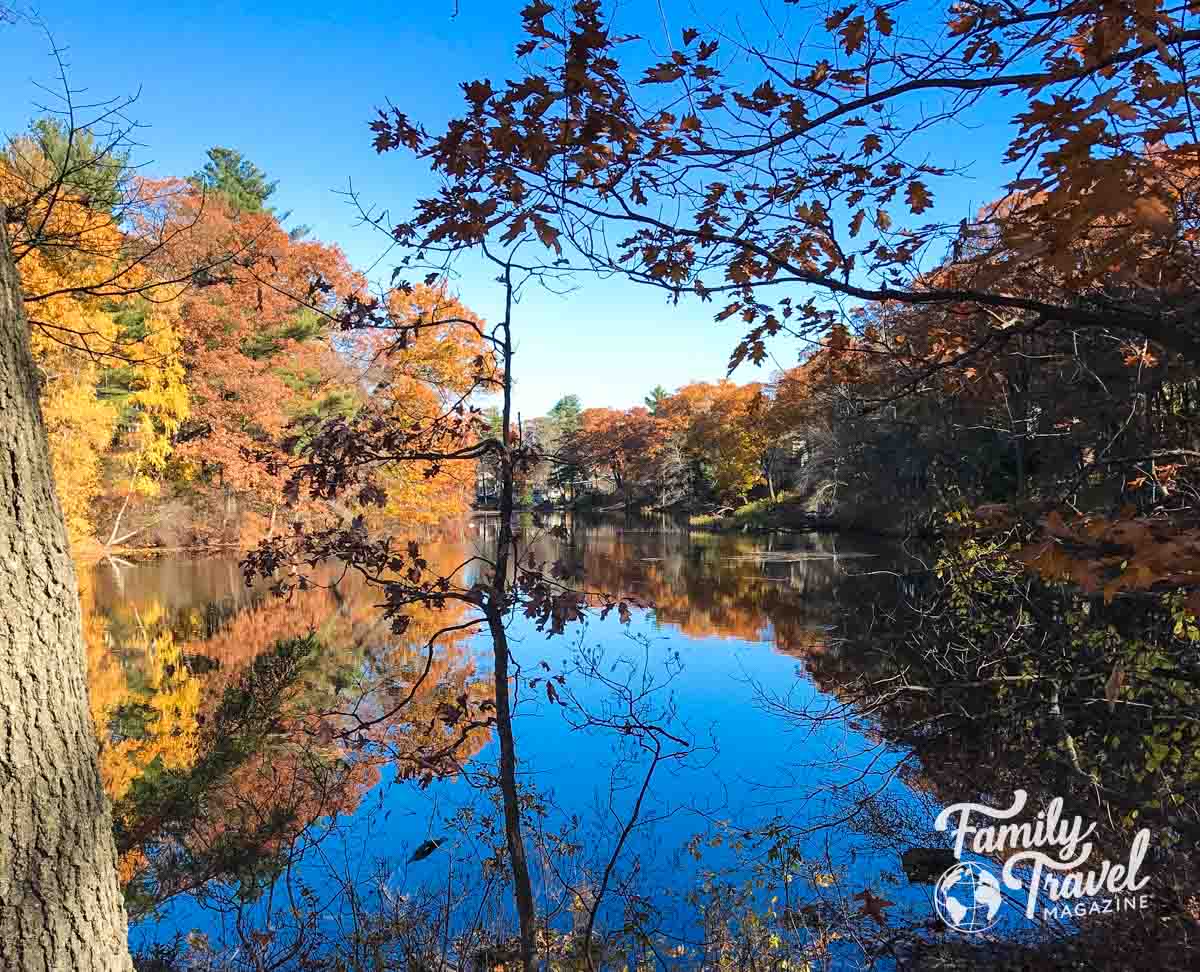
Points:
[60,905]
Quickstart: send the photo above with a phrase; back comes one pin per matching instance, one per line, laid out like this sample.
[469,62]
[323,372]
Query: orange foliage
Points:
[1113,556]
[417,381]
[318,763]
[255,356]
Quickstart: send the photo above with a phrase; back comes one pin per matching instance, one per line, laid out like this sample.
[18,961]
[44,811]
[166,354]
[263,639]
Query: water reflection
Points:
[776,589]
[230,720]
[827,699]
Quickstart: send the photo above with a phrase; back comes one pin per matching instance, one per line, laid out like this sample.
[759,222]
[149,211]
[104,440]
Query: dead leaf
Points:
[873,906]
[1112,688]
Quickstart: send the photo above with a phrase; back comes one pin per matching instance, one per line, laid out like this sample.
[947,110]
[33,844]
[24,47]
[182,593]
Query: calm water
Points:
[737,644]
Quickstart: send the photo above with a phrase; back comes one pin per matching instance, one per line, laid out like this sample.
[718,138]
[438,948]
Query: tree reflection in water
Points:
[234,727]
[224,714]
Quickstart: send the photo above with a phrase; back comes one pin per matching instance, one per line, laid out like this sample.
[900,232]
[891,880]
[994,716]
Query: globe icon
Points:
[967,897]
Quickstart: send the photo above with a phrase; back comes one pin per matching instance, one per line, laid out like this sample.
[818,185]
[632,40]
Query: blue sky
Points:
[293,86]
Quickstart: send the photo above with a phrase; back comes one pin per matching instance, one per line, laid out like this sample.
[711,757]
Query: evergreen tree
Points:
[562,428]
[89,168]
[563,418]
[230,174]
[654,400]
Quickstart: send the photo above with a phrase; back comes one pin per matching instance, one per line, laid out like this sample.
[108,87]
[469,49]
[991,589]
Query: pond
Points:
[696,775]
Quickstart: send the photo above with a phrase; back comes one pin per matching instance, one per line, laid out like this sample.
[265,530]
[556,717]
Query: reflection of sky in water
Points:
[750,764]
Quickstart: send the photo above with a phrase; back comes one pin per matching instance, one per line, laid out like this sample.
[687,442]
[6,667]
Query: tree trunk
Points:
[60,906]
[496,611]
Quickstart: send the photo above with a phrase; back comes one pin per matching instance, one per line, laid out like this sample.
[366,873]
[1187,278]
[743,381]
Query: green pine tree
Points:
[230,174]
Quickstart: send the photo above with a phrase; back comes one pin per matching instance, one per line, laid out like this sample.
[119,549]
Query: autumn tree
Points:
[168,386]
[78,233]
[75,232]
[801,179]
[254,344]
[728,436]
[104,256]
[358,459]
[352,459]
[419,382]
[581,143]
[618,445]
[86,350]
[705,441]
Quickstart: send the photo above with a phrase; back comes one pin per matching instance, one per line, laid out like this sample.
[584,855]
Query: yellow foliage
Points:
[170,701]
[79,427]
[160,401]
[414,499]
[74,334]
[106,678]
